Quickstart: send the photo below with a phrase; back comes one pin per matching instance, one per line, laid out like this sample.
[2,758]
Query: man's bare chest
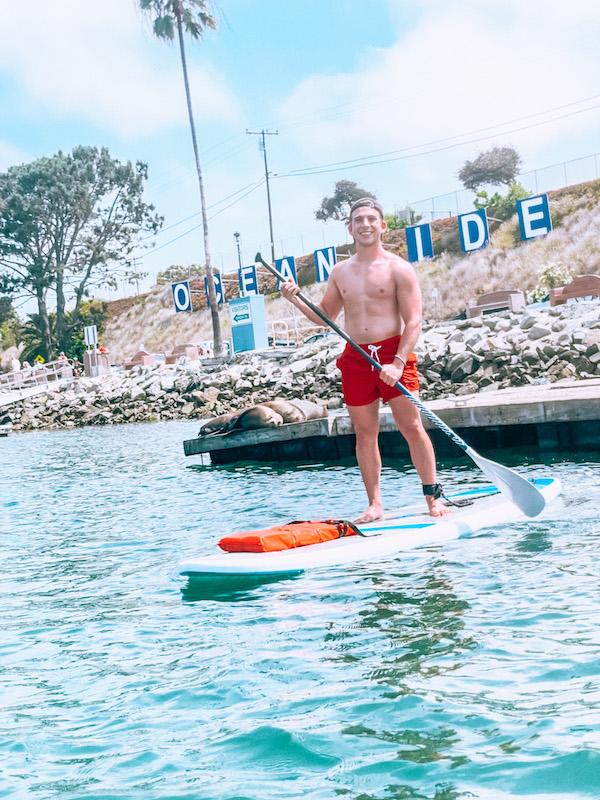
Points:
[373,284]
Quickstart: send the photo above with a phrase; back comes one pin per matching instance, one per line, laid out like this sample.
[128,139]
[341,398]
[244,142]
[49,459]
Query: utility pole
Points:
[262,145]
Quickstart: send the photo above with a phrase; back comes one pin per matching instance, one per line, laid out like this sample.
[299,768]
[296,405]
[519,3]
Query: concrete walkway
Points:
[564,401]
[6,398]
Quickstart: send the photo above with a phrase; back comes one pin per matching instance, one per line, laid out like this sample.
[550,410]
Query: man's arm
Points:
[410,304]
[331,303]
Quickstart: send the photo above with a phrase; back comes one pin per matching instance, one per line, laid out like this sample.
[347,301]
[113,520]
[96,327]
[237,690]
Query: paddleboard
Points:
[398,531]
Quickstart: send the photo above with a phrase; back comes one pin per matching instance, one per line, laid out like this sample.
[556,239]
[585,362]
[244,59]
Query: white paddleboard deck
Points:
[401,530]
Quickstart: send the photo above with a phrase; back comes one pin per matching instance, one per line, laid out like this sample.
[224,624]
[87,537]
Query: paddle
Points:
[518,489]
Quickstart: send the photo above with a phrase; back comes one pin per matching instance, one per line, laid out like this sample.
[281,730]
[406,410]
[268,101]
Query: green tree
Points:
[498,166]
[338,205]
[6,310]
[9,323]
[69,223]
[174,18]
[501,207]
[33,333]
[92,313]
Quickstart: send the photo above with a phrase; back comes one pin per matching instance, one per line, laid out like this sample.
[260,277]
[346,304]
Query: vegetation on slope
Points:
[150,322]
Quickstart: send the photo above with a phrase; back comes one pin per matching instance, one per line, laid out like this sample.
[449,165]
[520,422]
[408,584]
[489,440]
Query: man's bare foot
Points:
[436,507]
[373,512]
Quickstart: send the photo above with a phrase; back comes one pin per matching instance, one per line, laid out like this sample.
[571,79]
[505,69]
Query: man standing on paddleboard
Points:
[381,299]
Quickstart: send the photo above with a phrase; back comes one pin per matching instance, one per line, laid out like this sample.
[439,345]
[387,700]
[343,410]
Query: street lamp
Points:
[237,236]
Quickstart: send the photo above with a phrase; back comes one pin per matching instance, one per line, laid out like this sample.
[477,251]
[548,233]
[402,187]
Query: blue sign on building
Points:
[419,242]
[248,280]
[181,296]
[325,261]
[218,289]
[534,216]
[474,231]
[287,267]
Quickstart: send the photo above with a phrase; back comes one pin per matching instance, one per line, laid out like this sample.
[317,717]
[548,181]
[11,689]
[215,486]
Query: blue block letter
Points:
[534,216]
[419,242]
[325,261]
[287,267]
[248,280]
[474,232]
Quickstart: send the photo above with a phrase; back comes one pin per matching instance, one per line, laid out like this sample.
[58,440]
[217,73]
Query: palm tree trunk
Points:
[212,295]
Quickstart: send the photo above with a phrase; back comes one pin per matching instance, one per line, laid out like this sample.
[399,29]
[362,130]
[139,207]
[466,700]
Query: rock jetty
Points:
[456,357]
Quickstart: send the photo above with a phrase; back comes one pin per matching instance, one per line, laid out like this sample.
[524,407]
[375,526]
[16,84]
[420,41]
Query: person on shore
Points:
[381,299]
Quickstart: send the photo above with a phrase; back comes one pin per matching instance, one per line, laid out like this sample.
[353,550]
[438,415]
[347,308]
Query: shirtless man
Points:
[381,299]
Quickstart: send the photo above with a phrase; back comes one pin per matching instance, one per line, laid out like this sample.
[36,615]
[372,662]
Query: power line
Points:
[338,166]
[195,228]
[218,203]
[254,188]
[459,136]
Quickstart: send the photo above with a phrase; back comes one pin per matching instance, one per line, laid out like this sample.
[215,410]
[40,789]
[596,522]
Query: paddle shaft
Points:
[375,364]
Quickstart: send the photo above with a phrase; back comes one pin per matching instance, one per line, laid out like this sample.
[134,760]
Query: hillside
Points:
[149,321]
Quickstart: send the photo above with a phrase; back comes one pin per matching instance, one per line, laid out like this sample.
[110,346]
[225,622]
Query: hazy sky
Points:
[418,86]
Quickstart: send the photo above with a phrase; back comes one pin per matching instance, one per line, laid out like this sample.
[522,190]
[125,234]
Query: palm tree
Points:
[38,334]
[176,17]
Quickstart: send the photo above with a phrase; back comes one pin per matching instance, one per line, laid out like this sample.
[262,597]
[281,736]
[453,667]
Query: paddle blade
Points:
[519,490]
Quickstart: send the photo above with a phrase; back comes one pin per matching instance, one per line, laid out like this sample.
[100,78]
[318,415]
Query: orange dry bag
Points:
[285,537]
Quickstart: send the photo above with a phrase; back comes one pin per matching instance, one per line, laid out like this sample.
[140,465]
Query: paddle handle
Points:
[414,400]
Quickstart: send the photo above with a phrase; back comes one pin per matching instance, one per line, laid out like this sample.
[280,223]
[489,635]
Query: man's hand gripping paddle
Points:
[519,490]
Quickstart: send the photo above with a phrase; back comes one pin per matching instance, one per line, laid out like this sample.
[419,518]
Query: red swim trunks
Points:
[361,384]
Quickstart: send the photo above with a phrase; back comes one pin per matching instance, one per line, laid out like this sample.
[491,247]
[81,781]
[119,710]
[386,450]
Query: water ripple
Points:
[468,670]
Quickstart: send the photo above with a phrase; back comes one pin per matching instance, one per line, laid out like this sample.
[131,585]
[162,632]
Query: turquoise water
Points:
[466,670]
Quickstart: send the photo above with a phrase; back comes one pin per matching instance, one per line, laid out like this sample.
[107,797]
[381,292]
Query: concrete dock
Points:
[552,416]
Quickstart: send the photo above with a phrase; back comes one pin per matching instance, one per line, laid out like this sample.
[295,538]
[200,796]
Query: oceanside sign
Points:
[534,220]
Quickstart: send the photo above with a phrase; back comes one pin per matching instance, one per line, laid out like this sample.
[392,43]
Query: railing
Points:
[279,331]
[27,377]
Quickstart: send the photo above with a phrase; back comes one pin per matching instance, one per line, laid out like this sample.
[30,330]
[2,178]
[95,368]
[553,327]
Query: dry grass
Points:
[576,244]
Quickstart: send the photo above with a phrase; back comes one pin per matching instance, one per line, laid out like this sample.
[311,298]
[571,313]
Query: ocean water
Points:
[469,670]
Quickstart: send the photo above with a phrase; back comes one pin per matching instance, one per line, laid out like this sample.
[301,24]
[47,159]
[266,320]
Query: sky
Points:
[391,94]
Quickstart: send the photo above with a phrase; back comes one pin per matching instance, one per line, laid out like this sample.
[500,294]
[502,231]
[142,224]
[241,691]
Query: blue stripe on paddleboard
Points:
[491,490]
[485,491]
[404,527]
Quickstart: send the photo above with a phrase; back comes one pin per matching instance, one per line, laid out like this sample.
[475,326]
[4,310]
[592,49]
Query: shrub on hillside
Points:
[550,276]
[499,206]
